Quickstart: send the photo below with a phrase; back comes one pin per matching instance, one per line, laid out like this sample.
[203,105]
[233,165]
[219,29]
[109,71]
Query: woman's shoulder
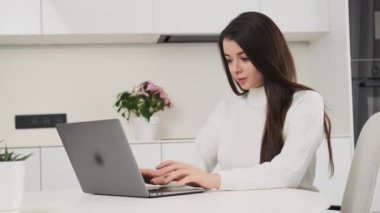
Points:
[308,98]
[228,103]
[232,101]
[307,94]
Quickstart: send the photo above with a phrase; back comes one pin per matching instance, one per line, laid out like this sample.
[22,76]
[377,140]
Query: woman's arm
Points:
[287,169]
[185,174]
[207,144]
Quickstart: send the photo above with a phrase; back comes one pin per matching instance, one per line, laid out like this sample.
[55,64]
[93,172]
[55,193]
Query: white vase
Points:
[12,175]
[144,130]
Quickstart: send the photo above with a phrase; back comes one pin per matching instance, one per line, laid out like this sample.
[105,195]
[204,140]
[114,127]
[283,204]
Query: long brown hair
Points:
[266,48]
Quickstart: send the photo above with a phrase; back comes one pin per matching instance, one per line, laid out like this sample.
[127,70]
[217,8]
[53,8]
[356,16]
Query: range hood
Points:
[187,38]
[291,36]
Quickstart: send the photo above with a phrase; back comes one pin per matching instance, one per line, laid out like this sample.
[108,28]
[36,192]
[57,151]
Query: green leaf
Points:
[24,157]
[144,105]
[12,156]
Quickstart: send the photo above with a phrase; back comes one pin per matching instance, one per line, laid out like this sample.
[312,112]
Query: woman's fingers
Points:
[169,163]
[166,167]
[177,175]
[188,180]
[149,172]
[158,181]
[172,176]
[165,163]
[187,176]
[172,167]
[170,170]
[205,180]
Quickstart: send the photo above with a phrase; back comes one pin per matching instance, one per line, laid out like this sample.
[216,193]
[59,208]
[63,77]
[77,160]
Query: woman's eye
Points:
[244,59]
[228,60]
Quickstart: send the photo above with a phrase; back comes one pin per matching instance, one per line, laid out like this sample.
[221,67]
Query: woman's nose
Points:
[235,67]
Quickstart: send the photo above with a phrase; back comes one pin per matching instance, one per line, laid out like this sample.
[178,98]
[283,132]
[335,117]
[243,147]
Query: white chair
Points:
[361,181]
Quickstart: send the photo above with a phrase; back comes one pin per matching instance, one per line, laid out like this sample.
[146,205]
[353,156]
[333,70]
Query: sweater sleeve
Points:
[287,169]
[207,139]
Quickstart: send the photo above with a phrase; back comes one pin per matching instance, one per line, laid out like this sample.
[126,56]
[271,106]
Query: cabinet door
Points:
[32,168]
[185,152]
[298,15]
[147,155]
[18,17]
[56,169]
[96,16]
[197,16]
[334,188]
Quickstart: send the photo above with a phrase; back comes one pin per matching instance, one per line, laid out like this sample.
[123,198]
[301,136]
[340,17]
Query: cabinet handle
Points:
[369,84]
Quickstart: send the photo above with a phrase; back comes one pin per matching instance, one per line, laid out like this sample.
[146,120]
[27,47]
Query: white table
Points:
[261,201]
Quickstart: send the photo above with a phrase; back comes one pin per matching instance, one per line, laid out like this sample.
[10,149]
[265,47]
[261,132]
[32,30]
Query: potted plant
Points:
[143,103]
[12,175]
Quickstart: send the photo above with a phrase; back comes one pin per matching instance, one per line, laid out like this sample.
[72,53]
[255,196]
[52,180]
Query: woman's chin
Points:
[245,87]
[248,87]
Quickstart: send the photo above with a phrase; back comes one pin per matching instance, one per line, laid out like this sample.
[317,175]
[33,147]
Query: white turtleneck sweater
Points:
[231,141]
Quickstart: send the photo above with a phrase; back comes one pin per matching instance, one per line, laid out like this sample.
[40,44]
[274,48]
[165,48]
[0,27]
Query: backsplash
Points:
[83,82]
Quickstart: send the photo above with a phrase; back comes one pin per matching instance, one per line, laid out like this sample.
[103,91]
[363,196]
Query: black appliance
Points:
[365,59]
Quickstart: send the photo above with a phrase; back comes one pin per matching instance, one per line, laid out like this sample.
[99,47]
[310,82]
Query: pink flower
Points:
[152,87]
[163,95]
[139,90]
[166,99]
[168,103]
[146,86]
[156,100]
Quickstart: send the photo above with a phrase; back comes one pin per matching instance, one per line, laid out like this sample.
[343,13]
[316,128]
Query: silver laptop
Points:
[104,163]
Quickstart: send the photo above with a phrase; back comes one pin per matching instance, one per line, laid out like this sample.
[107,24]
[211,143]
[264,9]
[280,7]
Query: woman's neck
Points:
[257,96]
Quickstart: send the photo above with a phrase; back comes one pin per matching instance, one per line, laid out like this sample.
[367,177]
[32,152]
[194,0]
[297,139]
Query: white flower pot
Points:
[144,130]
[12,175]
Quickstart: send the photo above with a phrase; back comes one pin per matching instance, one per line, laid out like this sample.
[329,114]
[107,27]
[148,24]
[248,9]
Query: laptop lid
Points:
[102,158]
[104,163]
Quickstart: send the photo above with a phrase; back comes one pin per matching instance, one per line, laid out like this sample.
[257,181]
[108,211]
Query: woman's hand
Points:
[186,174]
[148,174]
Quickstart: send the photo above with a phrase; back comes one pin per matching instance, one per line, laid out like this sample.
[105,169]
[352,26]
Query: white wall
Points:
[330,69]
[83,82]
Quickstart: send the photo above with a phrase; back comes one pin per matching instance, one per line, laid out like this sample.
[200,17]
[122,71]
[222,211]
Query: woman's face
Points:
[241,68]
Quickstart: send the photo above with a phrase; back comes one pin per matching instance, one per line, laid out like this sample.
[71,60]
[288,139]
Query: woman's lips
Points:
[241,80]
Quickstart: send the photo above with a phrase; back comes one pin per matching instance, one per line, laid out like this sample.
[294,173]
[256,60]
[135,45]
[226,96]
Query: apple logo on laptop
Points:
[98,159]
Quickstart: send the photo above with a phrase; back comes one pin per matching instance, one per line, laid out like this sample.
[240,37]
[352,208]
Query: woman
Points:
[266,136]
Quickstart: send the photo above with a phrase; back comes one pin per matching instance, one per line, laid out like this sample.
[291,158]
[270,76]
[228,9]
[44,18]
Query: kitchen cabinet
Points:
[298,19]
[334,187]
[20,17]
[142,21]
[56,169]
[147,155]
[184,152]
[96,16]
[197,16]
[57,172]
